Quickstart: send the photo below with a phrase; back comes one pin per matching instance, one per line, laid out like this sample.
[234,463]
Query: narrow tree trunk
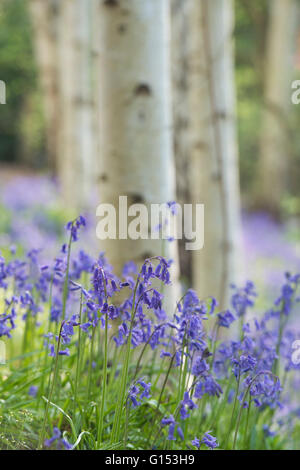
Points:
[136,123]
[76,170]
[180,30]
[273,163]
[214,162]
[44,14]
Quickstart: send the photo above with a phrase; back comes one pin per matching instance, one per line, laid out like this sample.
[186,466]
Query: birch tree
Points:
[181,114]
[65,57]
[213,166]
[76,162]
[136,117]
[44,14]
[274,146]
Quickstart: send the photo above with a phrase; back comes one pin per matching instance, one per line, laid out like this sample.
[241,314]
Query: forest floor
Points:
[32,215]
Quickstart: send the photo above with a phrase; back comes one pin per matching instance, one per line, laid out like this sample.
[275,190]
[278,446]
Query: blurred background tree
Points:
[21,123]
[23,134]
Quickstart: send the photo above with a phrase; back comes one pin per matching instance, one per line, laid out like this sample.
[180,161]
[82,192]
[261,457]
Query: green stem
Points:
[117,420]
[51,389]
[266,372]
[126,427]
[66,282]
[144,348]
[90,363]
[78,353]
[247,423]
[104,381]
[160,398]
[233,410]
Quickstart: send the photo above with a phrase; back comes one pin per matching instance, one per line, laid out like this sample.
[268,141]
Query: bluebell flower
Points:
[199,366]
[185,405]
[32,392]
[61,442]
[268,432]
[172,427]
[225,319]
[209,441]
[56,435]
[74,225]
[138,392]
[207,385]
[196,443]
[243,298]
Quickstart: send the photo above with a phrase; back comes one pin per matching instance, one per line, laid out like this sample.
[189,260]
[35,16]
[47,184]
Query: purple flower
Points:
[73,227]
[243,298]
[32,392]
[209,441]
[244,364]
[56,435]
[186,404]
[207,385]
[268,432]
[225,319]
[173,426]
[199,367]
[61,443]
[139,391]
[196,443]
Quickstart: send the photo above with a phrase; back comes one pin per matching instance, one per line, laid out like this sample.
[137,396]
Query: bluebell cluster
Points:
[250,356]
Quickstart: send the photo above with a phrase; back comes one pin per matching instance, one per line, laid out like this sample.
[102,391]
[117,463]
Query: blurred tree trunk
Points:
[273,162]
[180,73]
[76,152]
[213,168]
[44,14]
[136,120]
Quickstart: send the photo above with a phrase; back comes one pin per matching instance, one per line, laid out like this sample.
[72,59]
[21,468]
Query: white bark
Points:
[180,31]
[44,16]
[214,161]
[273,163]
[76,161]
[136,119]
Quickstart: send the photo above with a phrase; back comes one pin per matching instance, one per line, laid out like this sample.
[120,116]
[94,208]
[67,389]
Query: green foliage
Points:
[18,71]
[250,32]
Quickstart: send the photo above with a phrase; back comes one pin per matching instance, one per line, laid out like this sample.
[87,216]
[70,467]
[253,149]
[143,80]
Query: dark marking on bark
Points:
[79,101]
[146,255]
[216,176]
[103,178]
[136,198]
[54,8]
[200,145]
[220,115]
[141,116]
[182,122]
[227,246]
[142,89]
[111,3]
[122,28]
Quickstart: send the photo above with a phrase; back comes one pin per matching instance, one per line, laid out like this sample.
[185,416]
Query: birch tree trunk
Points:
[274,147]
[44,16]
[136,121]
[180,31]
[76,161]
[213,168]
